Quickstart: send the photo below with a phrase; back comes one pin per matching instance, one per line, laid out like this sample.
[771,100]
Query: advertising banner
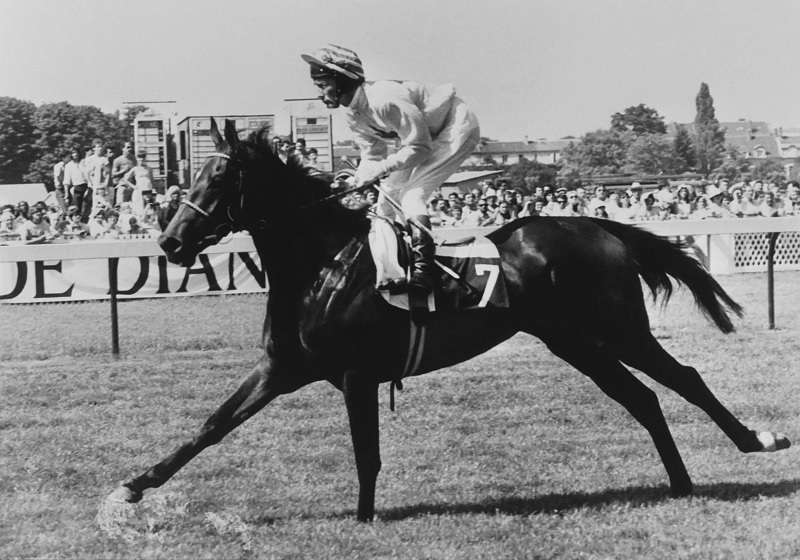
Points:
[41,281]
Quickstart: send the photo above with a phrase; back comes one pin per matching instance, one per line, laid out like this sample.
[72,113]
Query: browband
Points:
[191,204]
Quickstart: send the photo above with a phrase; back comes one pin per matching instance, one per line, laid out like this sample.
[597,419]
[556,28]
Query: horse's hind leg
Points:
[647,355]
[617,382]
[258,389]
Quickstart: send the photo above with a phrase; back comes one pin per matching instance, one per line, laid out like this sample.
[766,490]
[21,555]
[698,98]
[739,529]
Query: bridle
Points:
[231,223]
[196,208]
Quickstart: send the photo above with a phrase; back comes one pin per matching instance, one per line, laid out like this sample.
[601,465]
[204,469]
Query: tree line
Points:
[33,138]
[636,144]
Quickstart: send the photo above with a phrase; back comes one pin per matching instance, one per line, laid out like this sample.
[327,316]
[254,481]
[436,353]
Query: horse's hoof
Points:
[681,490]
[123,494]
[771,441]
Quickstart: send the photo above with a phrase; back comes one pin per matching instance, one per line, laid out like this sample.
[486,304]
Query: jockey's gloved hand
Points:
[344,179]
[370,170]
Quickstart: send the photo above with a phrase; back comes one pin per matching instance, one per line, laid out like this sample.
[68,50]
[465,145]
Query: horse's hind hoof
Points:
[682,490]
[123,494]
[771,441]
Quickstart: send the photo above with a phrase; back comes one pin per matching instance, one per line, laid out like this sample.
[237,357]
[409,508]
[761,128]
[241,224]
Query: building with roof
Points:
[489,153]
[465,181]
[756,140]
[509,153]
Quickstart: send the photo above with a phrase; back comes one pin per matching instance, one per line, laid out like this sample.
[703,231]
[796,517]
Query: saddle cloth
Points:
[471,274]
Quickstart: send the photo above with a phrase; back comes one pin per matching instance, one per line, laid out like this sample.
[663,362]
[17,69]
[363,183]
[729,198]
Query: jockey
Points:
[436,129]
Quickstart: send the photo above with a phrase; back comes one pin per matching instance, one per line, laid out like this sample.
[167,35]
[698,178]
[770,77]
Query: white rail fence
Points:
[726,246]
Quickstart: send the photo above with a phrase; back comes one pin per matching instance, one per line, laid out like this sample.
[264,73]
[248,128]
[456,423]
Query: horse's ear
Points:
[215,135]
[263,134]
[231,136]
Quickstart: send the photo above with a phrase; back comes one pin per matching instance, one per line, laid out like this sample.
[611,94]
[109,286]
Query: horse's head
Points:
[244,185]
[213,207]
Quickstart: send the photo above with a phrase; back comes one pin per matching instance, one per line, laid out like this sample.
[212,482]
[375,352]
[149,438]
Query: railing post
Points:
[773,238]
[113,265]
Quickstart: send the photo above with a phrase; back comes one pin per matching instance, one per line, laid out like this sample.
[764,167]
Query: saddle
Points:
[470,273]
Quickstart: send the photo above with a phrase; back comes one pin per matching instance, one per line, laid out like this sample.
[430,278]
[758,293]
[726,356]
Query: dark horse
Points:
[572,282]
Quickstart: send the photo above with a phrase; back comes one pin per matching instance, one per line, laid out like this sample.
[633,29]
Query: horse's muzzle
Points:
[174,249]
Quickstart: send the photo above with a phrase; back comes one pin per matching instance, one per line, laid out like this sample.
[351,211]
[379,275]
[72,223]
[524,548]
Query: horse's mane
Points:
[310,185]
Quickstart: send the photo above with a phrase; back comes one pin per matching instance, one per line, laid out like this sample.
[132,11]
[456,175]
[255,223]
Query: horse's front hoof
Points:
[123,494]
[771,441]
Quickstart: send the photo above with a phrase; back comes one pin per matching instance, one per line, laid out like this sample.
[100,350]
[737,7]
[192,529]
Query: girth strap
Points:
[416,347]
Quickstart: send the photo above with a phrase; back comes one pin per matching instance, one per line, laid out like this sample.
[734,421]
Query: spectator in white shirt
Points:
[625,211]
[76,180]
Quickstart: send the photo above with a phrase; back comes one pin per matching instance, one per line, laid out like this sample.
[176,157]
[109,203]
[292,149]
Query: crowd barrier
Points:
[76,271]
[79,271]
[137,268]
[726,246]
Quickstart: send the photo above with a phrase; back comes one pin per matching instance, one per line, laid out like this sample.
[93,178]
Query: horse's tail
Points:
[658,258]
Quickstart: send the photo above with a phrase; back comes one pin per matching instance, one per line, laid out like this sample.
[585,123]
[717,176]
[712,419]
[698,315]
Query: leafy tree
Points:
[602,152]
[526,175]
[684,150]
[709,139]
[651,154]
[16,138]
[640,119]
[769,170]
[61,126]
[734,166]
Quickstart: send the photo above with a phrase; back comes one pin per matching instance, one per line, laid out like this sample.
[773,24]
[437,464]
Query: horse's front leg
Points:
[361,398]
[259,388]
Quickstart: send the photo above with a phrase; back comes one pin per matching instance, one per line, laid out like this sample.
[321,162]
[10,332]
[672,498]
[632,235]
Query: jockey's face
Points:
[327,90]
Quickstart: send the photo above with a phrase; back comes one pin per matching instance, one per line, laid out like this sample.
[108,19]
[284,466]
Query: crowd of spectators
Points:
[489,205]
[104,195]
[98,195]
[297,151]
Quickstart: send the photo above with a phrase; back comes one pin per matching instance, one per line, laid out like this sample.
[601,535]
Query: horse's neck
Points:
[294,256]
[297,264]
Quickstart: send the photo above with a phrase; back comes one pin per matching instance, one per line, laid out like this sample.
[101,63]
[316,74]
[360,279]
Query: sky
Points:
[528,68]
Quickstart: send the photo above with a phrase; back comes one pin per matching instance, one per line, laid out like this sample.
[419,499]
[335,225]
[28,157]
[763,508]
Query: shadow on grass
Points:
[636,496]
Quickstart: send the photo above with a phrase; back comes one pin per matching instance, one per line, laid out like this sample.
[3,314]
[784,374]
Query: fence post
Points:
[773,238]
[113,265]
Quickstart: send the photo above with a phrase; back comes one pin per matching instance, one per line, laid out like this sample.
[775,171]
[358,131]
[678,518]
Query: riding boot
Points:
[423,251]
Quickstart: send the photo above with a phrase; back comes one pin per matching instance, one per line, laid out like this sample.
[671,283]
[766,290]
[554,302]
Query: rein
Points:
[334,196]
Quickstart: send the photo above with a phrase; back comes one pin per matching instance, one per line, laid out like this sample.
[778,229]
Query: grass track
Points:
[511,455]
